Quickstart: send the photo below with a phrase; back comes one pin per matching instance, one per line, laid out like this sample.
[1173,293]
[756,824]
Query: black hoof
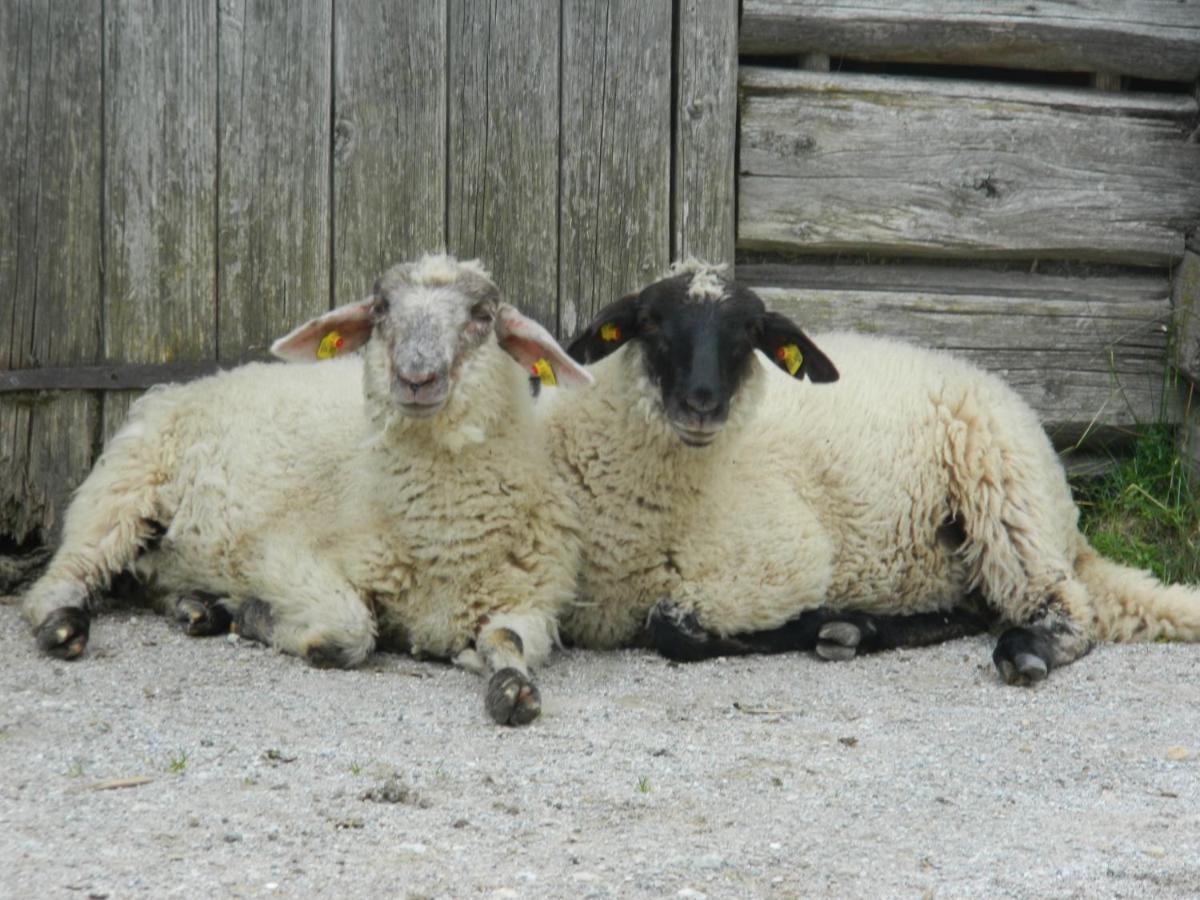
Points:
[64,633]
[512,699]
[1022,656]
[329,656]
[253,621]
[677,635]
[201,615]
[838,641]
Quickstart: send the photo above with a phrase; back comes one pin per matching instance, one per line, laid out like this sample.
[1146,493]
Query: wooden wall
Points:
[1016,183]
[182,181]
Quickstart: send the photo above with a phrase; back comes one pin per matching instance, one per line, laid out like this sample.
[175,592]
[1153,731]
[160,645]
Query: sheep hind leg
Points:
[1052,637]
[201,614]
[110,520]
[1018,520]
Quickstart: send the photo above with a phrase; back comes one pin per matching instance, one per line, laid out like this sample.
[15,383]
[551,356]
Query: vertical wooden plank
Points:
[389,138]
[273,220]
[50,152]
[503,145]
[160,183]
[706,129]
[616,152]
[1185,298]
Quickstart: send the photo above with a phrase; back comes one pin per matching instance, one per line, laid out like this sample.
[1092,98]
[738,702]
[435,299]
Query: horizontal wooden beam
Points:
[889,166]
[1088,353]
[112,377]
[1147,38]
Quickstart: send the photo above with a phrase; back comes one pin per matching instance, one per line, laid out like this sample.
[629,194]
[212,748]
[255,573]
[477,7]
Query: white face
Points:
[427,327]
[421,326]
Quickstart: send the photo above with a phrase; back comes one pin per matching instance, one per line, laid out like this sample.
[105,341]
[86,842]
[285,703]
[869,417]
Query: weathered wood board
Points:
[160,185]
[389,138]
[1086,352]
[907,166]
[1185,295]
[50,165]
[1148,38]
[503,145]
[273,208]
[614,233]
[706,130]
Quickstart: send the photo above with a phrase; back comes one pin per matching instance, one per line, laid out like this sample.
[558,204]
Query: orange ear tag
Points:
[791,357]
[610,332]
[330,345]
[542,370]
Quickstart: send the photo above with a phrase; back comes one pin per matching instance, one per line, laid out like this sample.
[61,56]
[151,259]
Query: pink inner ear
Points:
[526,341]
[352,322]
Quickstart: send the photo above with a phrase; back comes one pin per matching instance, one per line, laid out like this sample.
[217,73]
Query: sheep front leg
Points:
[833,634]
[506,646]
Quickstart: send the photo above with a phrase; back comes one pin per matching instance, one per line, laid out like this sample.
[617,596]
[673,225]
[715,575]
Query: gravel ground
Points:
[160,765]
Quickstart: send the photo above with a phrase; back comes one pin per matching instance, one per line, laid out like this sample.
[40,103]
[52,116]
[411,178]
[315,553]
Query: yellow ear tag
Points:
[791,357]
[610,332]
[330,345]
[542,370]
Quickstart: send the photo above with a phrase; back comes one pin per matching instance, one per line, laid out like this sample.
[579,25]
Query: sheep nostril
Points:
[415,382]
[701,402]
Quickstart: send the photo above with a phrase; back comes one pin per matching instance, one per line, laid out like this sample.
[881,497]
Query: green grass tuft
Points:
[1144,513]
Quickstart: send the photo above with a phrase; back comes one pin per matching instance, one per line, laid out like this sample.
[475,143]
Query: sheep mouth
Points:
[416,410]
[696,437]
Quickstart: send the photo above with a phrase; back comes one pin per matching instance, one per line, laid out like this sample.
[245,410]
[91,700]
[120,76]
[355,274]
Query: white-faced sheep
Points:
[398,495]
[724,497]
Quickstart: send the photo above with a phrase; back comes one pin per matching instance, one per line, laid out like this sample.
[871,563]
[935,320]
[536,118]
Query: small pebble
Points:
[232,837]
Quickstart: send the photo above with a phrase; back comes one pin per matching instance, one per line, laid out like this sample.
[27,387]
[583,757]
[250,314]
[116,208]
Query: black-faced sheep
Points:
[398,495]
[724,497]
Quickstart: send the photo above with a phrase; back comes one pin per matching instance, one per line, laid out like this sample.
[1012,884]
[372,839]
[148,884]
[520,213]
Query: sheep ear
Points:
[612,327]
[791,350]
[535,348]
[338,332]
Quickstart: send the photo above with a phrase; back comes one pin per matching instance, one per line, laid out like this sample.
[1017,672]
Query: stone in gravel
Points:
[232,837]
[393,790]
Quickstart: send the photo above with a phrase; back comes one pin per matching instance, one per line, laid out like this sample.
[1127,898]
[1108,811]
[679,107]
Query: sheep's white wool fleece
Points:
[278,485]
[811,495]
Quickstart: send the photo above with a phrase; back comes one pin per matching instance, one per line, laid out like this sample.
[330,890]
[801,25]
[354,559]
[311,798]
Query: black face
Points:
[699,351]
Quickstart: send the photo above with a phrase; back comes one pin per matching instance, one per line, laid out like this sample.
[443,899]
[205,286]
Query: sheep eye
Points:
[380,307]
[482,313]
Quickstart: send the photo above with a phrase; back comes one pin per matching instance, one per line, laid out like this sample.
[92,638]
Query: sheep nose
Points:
[417,381]
[701,401]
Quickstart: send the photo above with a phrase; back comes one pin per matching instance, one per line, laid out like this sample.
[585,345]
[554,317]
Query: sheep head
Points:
[426,322]
[697,331]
